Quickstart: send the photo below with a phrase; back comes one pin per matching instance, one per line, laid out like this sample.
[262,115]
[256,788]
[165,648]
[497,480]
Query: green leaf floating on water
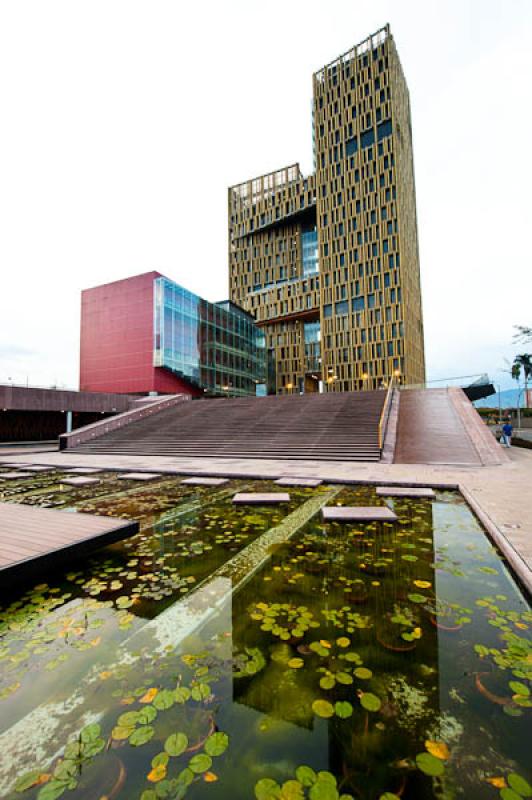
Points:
[200,763]
[266,789]
[519,784]
[216,744]
[343,709]
[370,701]
[429,764]
[176,744]
[164,699]
[27,780]
[509,794]
[415,597]
[52,790]
[519,688]
[141,735]
[323,708]
[389,796]
[306,775]
[363,673]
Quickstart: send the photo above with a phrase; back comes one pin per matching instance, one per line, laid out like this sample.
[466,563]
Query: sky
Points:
[124,122]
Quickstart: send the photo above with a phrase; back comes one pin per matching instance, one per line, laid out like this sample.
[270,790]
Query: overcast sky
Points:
[122,123]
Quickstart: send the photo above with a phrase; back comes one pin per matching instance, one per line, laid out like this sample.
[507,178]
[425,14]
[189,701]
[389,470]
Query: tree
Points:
[524,334]
[523,362]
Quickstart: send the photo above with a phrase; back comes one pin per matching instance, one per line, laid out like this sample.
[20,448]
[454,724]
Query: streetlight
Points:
[365,377]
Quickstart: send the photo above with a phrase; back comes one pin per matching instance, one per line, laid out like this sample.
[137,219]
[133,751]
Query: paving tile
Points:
[83,470]
[358,514]
[260,499]
[205,481]
[80,481]
[309,482]
[11,476]
[39,469]
[404,491]
[139,476]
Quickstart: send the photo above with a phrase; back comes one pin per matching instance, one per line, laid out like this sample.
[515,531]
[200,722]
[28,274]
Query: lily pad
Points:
[343,709]
[519,784]
[370,701]
[429,764]
[200,763]
[141,735]
[267,789]
[363,673]
[216,744]
[176,744]
[306,775]
[323,708]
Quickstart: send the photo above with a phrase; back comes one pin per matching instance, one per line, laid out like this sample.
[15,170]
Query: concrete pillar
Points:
[69,422]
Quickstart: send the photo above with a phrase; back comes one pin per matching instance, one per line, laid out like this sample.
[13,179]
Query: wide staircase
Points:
[330,427]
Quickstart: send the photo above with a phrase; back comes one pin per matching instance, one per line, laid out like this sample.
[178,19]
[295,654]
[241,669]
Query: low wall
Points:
[30,398]
[90,432]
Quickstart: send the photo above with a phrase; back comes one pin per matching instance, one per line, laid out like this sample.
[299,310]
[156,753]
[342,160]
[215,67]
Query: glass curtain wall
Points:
[215,346]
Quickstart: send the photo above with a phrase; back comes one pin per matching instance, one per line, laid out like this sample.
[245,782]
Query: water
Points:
[393,658]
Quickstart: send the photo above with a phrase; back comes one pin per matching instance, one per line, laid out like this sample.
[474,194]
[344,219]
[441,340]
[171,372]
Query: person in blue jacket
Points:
[507,431]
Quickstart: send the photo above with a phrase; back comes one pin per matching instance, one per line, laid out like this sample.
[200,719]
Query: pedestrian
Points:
[507,431]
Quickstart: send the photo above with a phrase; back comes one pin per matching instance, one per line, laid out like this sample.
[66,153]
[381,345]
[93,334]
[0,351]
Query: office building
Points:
[328,264]
[147,334]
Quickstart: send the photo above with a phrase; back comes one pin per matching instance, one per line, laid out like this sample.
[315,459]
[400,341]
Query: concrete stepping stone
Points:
[83,470]
[11,476]
[311,483]
[139,476]
[15,464]
[205,481]
[260,499]
[405,491]
[39,469]
[358,514]
[80,481]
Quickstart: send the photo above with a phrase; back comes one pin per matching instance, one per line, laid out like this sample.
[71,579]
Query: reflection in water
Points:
[392,657]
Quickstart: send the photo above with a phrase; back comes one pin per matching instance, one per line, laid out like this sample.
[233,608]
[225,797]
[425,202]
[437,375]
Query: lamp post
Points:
[365,377]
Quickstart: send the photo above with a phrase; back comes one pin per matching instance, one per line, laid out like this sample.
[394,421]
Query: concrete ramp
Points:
[441,426]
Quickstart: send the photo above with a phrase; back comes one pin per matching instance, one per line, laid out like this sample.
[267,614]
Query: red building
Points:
[147,334]
[116,348]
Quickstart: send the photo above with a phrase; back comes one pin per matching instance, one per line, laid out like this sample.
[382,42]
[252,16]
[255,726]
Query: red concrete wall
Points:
[116,349]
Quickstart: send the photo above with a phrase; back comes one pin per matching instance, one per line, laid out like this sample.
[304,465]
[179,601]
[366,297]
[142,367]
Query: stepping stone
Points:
[404,491]
[310,482]
[15,464]
[10,476]
[205,481]
[358,513]
[39,469]
[139,476]
[83,470]
[258,499]
[80,481]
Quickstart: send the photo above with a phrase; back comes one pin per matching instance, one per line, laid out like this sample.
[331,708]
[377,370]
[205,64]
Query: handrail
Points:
[385,413]
[100,428]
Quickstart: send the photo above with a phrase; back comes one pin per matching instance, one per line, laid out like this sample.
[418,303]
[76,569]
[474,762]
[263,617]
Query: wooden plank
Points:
[405,491]
[260,499]
[36,540]
[357,514]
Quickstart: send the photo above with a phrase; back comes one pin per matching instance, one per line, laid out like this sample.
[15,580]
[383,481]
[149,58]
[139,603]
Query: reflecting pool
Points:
[229,652]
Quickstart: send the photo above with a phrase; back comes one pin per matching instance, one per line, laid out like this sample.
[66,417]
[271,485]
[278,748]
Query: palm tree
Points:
[523,362]
[524,333]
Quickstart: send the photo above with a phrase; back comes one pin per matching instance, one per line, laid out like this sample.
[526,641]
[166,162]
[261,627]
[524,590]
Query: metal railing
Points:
[385,413]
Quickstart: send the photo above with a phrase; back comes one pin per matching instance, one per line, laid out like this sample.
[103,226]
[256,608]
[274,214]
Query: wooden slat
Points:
[36,540]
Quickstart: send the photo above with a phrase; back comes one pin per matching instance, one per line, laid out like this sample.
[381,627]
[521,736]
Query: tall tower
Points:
[329,264]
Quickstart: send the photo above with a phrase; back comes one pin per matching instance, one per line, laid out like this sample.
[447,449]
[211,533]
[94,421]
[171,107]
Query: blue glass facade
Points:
[309,247]
[215,346]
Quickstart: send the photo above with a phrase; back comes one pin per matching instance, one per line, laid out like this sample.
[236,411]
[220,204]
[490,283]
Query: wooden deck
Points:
[34,541]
